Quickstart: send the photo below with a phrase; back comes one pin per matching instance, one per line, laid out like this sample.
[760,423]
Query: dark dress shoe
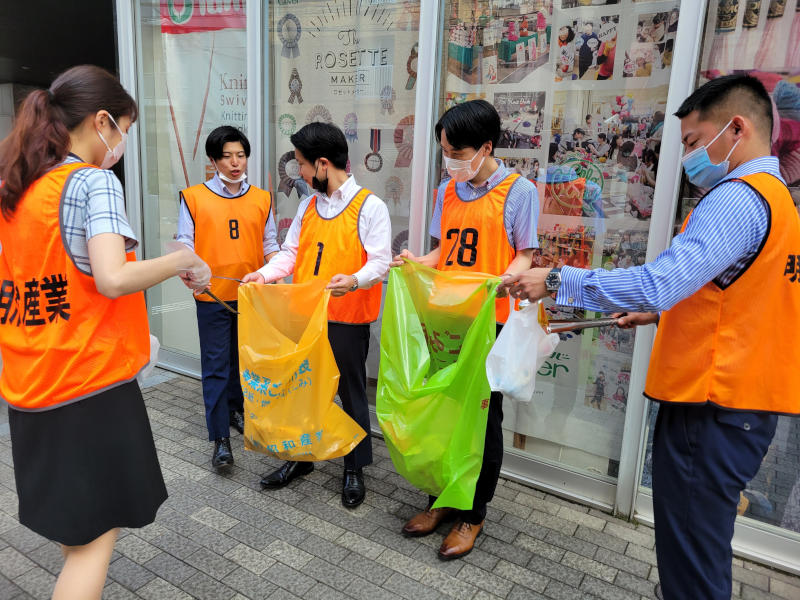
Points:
[237,421]
[283,476]
[222,457]
[460,541]
[353,490]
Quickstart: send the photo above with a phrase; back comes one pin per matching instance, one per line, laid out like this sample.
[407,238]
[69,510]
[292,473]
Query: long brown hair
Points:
[40,138]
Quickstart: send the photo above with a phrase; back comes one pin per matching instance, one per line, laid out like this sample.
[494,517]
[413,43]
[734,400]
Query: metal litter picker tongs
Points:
[562,325]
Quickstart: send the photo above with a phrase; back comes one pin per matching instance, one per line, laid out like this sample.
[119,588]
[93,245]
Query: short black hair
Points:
[217,139]
[720,99]
[579,130]
[602,136]
[321,140]
[588,117]
[470,125]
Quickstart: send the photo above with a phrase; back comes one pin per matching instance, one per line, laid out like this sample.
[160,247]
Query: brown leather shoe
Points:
[426,521]
[460,541]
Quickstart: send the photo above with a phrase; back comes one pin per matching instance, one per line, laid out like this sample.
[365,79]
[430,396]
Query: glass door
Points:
[582,92]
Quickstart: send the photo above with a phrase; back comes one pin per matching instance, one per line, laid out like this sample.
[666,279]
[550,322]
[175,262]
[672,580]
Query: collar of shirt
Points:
[762,164]
[216,185]
[468,190]
[333,204]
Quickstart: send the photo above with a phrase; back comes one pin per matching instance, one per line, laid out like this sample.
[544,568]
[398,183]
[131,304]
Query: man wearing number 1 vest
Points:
[342,233]
[229,223]
[485,218]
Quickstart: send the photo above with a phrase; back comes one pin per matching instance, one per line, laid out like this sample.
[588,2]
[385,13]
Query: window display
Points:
[581,89]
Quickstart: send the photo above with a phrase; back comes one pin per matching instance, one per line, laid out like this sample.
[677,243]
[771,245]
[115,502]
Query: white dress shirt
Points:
[374,228]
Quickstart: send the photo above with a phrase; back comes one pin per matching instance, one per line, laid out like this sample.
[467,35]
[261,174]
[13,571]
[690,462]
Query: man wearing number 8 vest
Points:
[342,233]
[485,218]
[229,223]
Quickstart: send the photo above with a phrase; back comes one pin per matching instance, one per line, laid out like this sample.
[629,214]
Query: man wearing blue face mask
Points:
[230,223]
[720,368]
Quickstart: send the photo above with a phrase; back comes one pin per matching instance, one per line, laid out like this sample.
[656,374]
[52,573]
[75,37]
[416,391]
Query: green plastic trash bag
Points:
[433,395]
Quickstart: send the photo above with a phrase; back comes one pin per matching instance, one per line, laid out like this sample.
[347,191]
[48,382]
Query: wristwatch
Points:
[355,283]
[553,280]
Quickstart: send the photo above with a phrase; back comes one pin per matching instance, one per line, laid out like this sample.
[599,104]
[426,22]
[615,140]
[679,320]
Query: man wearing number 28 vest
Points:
[229,223]
[342,234]
[485,218]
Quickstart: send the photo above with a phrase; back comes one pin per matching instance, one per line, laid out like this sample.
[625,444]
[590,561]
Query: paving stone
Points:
[395,541]
[323,549]
[601,539]
[369,569]
[558,590]
[622,562]
[635,584]
[13,563]
[450,586]
[640,553]
[135,548]
[115,591]
[332,575]
[129,574]
[519,592]
[249,584]
[783,589]
[751,593]
[255,538]
[411,590]
[587,565]
[158,589]
[751,578]
[485,580]
[481,559]
[211,563]
[403,564]
[8,589]
[643,537]
[361,589]
[23,539]
[556,571]
[175,544]
[605,590]
[511,553]
[204,587]
[320,591]
[320,527]
[581,518]
[37,582]
[571,544]
[536,546]
[289,579]
[523,526]
[522,576]
[214,518]
[360,545]
[288,554]
[169,568]
[250,558]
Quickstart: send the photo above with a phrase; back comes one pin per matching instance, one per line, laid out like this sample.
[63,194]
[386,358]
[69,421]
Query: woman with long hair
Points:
[73,325]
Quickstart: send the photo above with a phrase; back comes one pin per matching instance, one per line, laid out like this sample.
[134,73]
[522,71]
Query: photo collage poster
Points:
[581,89]
[353,64]
[761,39]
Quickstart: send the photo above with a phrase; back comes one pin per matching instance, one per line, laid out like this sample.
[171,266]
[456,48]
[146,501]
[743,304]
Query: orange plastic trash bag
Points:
[289,376]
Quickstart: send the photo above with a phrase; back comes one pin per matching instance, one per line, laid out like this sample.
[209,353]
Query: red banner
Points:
[190,16]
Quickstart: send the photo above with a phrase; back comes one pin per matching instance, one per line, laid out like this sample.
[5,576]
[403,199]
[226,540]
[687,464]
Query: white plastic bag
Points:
[155,346]
[517,354]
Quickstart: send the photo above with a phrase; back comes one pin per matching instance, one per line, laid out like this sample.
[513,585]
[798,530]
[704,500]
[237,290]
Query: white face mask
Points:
[227,179]
[113,155]
[462,170]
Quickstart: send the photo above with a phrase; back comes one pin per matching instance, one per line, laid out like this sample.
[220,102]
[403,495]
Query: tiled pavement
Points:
[221,537]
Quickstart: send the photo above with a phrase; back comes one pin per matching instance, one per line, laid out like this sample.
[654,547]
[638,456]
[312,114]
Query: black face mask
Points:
[319,185]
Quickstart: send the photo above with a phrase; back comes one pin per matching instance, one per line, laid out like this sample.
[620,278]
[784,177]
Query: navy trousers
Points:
[219,361]
[703,457]
[350,345]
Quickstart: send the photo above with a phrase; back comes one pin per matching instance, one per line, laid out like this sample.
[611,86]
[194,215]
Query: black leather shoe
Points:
[237,421]
[283,476]
[353,490]
[222,457]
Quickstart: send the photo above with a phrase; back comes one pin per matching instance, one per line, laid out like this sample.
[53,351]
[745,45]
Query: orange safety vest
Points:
[228,234]
[474,237]
[735,346]
[61,339]
[331,246]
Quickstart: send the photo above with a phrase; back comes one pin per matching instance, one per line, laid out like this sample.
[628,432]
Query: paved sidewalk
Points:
[223,538]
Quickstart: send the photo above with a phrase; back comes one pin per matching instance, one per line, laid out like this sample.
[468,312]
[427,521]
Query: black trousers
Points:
[492,460]
[350,345]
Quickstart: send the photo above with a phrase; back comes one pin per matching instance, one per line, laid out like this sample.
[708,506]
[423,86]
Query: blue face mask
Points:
[699,168]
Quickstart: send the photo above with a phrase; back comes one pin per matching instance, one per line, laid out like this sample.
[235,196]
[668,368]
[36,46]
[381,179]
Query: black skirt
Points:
[86,467]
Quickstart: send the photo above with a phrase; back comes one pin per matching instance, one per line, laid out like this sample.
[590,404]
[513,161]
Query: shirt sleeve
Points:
[521,215]
[105,208]
[271,236]
[436,220]
[185,233]
[375,229]
[282,264]
[725,231]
